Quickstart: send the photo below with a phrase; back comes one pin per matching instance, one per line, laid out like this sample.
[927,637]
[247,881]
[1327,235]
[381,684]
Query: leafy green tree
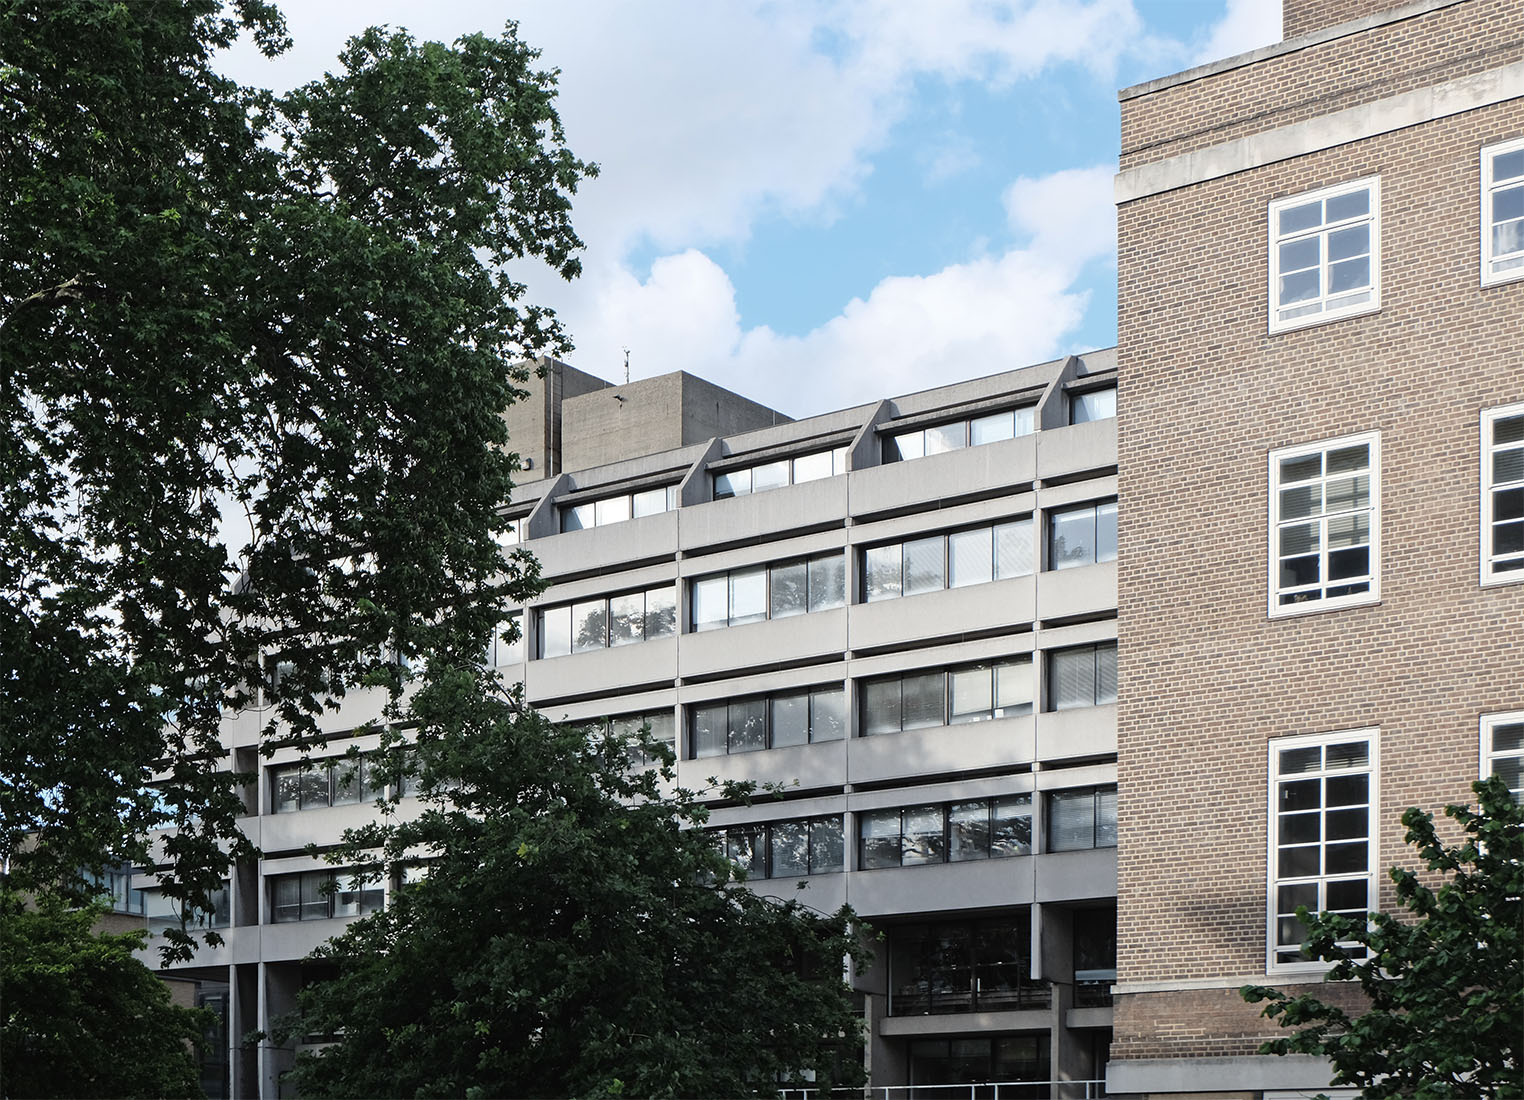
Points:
[576,934]
[82,1016]
[253,360]
[1444,981]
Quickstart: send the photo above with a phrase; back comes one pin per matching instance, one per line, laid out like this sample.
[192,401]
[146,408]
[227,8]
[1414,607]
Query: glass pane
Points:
[921,839]
[879,831]
[790,587]
[287,898]
[1355,754]
[828,582]
[663,727]
[881,706]
[555,632]
[1013,688]
[1105,675]
[923,700]
[1303,468]
[1300,255]
[946,437]
[1296,218]
[1071,538]
[1347,530]
[1347,896]
[577,518]
[1106,818]
[970,557]
[748,595]
[825,846]
[1071,678]
[1507,166]
[769,475]
[791,719]
[1344,859]
[1300,287]
[924,566]
[627,619]
[1011,826]
[1106,532]
[972,692]
[1071,821]
[661,612]
[881,568]
[748,725]
[744,846]
[1353,205]
[1095,405]
[734,484]
[1508,429]
[611,510]
[590,625]
[1298,862]
[990,429]
[1508,738]
[1349,275]
[288,788]
[1025,420]
[968,831]
[315,903]
[1346,244]
[905,445]
[1347,460]
[711,602]
[708,730]
[1348,790]
[1013,549]
[314,784]
[349,782]
[1507,465]
[650,502]
[828,715]
[1305,500]
[839,460]
[812,467]
[790,849]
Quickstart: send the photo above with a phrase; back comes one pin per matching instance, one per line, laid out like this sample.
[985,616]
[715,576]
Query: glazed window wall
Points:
[954,832]
[627,728]
[775,591]
[618,508]
[974,431]
[963,966]
[1082,819]
[946,697]
[952,560]
[318,784]
[780,472]
[319,895]
[607,621]
[767,722]
[785,849]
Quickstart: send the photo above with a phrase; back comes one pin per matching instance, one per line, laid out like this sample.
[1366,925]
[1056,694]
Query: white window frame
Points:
[1513,273]
[1337,312]
[1491,575]
[1277,610]
[1372,737]
[1489,723]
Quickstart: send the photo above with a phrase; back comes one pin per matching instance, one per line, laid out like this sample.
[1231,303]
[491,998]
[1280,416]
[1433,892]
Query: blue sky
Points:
[819,204]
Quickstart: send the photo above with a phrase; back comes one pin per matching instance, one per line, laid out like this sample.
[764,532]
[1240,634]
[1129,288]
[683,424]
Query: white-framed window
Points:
[1503,212]
[1503,494]
[1325,254]
[1322,850]
[1325,524]
[1503,749]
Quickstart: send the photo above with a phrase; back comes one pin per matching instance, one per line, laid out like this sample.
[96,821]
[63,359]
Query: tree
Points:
[253,358]
[1444,982]
[83,1017]
[575,933]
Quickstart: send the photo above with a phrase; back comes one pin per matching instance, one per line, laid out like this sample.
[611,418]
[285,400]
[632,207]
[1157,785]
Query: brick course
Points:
[1206,678]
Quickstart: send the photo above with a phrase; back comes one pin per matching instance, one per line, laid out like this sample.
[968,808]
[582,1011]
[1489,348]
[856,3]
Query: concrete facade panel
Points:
[955,475]
[940,750]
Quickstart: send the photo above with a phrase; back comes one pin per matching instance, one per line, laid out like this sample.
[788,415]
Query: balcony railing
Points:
[979,1090]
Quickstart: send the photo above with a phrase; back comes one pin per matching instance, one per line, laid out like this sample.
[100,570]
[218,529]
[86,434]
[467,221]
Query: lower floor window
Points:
[1322,825]
[786,849]
[1503,749]
[1080,819]
[986,828]
[963,966]
[318,895]
[969,1060]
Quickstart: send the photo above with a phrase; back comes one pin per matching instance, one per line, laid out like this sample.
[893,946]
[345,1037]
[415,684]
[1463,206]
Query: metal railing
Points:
[978,1090]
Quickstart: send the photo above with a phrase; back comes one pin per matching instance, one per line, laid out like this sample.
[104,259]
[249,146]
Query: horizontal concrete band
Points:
[1314,135]
[1252,1073]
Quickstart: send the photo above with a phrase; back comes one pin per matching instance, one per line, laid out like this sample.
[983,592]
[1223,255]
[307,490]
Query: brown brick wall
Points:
[1439,46]
[1202,1023]
[1206,678]
[1301,16]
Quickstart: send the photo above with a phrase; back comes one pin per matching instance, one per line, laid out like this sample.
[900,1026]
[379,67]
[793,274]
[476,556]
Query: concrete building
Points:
[907,613]
[1322,495]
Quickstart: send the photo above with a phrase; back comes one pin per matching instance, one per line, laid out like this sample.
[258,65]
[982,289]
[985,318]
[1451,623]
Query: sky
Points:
[818,204]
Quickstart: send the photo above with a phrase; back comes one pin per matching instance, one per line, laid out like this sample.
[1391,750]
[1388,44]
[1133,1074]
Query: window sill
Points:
[1503,580]
[1297,610]
[1503,279]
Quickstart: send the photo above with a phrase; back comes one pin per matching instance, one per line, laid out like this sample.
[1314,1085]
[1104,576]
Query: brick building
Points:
[1321,487]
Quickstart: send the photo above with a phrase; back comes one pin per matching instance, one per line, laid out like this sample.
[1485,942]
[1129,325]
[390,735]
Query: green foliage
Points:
[82,1016]
[577,934]
[218,303]
[1445,981]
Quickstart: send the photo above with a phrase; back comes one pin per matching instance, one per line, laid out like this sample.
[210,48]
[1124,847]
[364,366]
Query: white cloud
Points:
[1246,25]
[987,314]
